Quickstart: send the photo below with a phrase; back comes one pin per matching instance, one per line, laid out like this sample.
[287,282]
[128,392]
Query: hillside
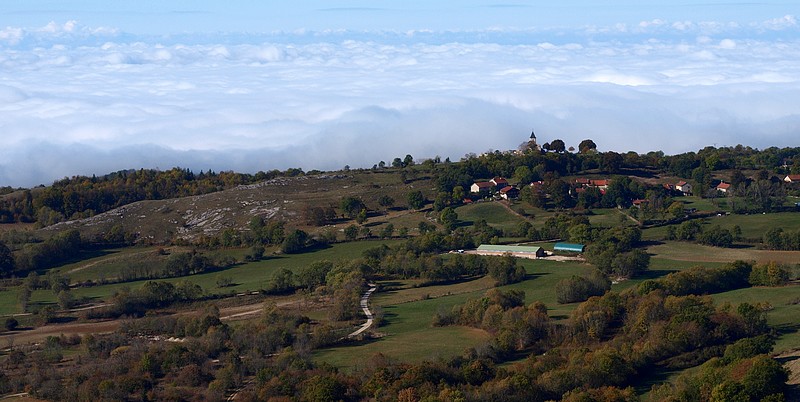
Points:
[282,198]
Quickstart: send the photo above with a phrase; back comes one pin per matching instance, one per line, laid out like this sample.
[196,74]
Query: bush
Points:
[11,324]
[505,270]
[770,274]
[581,288]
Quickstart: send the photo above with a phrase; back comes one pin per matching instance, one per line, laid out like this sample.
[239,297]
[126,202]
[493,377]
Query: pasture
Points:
[250,276]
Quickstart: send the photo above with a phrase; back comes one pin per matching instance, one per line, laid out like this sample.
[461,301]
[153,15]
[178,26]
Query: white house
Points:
[481,187]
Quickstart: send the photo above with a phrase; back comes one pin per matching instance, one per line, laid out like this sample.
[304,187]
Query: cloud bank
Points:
[90,100]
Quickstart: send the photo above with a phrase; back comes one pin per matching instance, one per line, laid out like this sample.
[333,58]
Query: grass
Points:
[784,315]
[246,276]
[753,226]
[409,335]
[691,252]
[493,213]
[608,218]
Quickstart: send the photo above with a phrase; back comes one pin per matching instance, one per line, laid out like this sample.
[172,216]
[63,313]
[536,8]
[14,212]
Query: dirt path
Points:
[365,309]
[111,258]
[39,334]
[506,205]
[792,363]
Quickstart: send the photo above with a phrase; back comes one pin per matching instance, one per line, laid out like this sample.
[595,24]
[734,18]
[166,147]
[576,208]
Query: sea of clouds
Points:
[87,100]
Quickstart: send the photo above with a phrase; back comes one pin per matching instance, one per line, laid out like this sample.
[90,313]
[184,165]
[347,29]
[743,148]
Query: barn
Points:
[569,247]
[518,251]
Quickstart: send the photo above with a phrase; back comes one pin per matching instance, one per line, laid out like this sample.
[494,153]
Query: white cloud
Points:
[77,100]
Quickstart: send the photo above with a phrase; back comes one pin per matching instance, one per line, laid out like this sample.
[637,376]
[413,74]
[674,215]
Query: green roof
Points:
[577,248]
[510,249]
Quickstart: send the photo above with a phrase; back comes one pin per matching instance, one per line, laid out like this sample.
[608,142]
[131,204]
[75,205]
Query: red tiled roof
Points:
[724,186]
[483,184]
[506,189]
[681,183]
[794,177]
[603,182]
[582,180]
[640,202]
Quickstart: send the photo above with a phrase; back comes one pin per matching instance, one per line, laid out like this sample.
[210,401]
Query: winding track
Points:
[365,309]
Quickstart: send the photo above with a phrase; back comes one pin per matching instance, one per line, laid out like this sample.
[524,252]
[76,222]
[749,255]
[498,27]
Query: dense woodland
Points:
[598,353]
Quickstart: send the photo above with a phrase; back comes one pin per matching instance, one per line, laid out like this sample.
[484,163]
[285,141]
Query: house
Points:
[509,192]
[792,178]
[639,203]
[481,187]
[516,251]
[601,184]
[582,181]
[723,187]
[569,247]
[684,187]
[499,182]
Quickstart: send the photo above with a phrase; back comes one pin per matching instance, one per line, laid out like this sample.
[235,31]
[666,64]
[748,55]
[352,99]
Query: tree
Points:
[11,324]
[415,200]
[283,281]
[611,162]
[441,201]
[386,201]
[769,274]
[448,218]
[408,161]
[24,297]
[361,217]
[295,242]
[579,288]
[351,232]
[351,206]
[6,260]
[558,146]
[631,263]
[505,270]
[523,174]
[587,146]
[388,231]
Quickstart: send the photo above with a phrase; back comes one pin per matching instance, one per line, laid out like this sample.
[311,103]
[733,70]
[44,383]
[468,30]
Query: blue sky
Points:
[90,87]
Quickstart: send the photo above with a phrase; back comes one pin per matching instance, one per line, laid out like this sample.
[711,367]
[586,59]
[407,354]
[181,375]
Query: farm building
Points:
[684,187]
[517,251]
[509,192]
[570,247]
[480,187]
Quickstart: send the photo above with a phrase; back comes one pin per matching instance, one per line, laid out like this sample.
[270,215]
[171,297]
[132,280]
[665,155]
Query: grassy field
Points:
[246,277]
[784,315]
[608,217]
[493,213]
[691,252]
[409,312]
[753,226]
